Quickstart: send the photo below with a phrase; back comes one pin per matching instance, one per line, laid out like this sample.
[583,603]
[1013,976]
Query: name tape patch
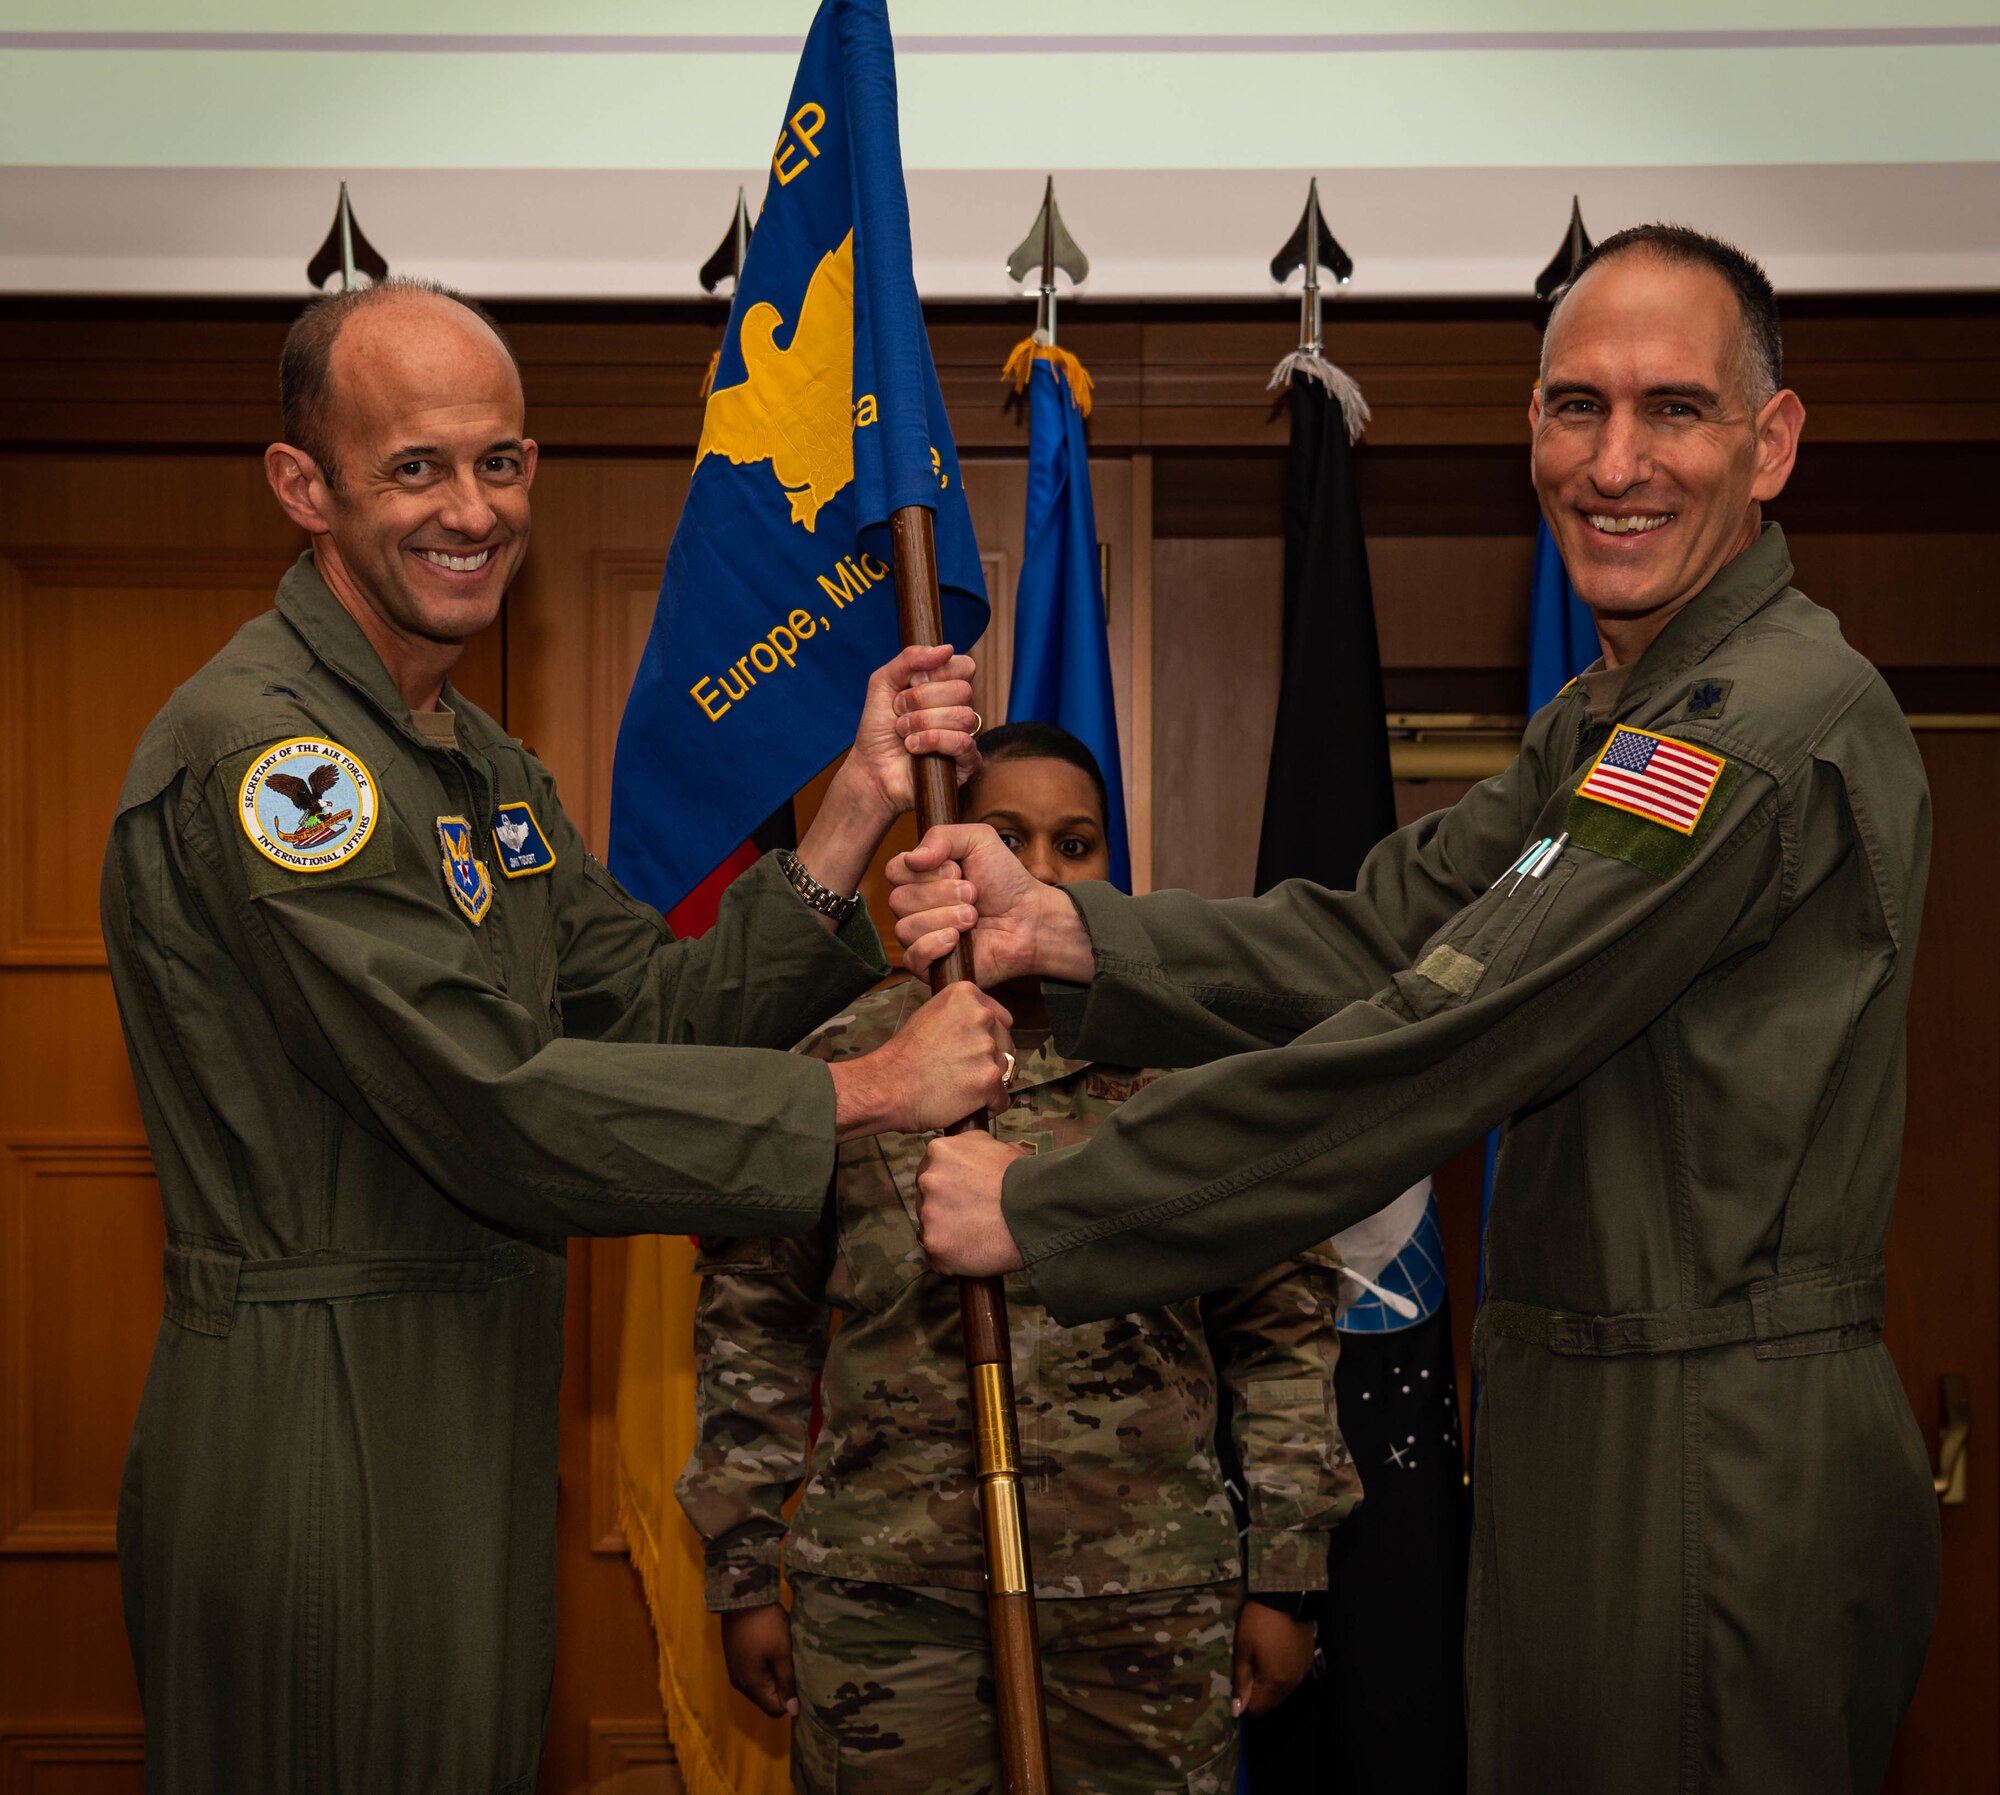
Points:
[524,850]
[307,804]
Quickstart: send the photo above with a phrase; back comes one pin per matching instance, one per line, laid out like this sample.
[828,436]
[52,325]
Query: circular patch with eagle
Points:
[307,804]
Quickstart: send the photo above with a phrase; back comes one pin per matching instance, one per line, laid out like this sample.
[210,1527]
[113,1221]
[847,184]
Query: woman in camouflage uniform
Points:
[1150,1643]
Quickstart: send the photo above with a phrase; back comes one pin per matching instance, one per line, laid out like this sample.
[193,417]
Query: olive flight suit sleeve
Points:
[760,977]
[1517,991]
[449,1042]
[1275,1348]
[760,1334]
[1254,972]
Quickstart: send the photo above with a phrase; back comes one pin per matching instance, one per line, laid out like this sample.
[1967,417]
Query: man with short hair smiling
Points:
[396,1033]
[1670,949]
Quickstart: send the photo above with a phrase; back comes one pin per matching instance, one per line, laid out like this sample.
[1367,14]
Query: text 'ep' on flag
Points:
[824,417]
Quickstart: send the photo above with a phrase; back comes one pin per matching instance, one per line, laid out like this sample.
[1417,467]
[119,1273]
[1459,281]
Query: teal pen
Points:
[1549,859]
[1526,860]
[1538,860]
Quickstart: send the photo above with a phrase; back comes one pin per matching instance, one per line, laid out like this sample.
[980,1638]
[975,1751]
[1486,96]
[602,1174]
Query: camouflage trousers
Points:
[896,1692]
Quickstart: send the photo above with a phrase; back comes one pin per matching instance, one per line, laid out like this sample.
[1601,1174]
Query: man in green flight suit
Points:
[396,1033]
[1670,948]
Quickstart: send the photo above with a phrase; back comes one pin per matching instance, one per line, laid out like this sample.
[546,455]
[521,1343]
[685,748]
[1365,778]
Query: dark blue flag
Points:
[823,419]
[1562,638]
[1062,654]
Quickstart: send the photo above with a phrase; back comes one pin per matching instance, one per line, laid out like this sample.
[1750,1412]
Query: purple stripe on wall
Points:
[1858,37]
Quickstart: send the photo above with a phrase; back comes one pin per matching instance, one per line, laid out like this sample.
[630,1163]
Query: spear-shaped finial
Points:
[1563,264]
[1048,246]
[1313,247]
[726,265]
[727,262]
[345,252]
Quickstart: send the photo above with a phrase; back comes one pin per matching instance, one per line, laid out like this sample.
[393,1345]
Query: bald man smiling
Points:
[396,1034]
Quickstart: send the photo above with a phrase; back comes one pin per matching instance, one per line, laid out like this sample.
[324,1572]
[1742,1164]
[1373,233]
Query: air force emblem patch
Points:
[524,849]
[465,875]
[307,804]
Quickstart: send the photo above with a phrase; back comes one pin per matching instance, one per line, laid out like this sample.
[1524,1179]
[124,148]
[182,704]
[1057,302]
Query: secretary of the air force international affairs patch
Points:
[307,805]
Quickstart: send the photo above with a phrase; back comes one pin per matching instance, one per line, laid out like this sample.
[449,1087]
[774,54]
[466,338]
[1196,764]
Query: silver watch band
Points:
[812,893]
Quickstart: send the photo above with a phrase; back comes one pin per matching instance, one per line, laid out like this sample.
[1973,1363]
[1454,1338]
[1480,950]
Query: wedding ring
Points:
[1007,1077]
[978,723]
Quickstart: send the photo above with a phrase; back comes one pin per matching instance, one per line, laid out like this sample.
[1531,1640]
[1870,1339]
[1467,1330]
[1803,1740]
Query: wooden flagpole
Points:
[982,1302]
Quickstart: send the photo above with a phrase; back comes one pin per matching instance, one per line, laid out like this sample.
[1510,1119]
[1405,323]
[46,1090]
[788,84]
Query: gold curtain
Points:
[724,1745]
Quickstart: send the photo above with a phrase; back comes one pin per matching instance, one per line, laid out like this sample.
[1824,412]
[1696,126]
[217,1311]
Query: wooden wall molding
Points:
[53,1757]
[1899,369]
[57,800]
[33,1177]
[630,1757]
[624,587]
[606,1299]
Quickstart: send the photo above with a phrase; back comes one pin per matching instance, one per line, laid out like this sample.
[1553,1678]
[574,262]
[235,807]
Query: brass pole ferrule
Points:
[996,1443]
[1006,1535]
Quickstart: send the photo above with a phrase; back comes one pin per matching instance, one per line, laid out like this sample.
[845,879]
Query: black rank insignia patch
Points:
[1706,698]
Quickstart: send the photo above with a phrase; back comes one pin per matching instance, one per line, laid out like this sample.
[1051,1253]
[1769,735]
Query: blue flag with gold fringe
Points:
[823,418]
[1062,648]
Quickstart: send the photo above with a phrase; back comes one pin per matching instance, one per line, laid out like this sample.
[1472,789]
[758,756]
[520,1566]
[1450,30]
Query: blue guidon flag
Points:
[824,417]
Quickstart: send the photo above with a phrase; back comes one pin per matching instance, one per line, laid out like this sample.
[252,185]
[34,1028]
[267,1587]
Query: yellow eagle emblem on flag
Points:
[796,409]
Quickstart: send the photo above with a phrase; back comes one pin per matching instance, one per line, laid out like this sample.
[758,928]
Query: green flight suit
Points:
[1706,1549]
[374,1121]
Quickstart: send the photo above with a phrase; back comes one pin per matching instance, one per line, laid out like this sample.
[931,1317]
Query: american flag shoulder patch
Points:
[1657,777]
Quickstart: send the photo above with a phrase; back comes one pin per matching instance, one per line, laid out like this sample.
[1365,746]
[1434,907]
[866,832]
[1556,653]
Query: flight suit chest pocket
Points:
[1486,945]
[522,926]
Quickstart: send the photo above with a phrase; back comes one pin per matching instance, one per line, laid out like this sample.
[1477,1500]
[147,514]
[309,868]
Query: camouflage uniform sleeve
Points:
[1275,1346]
[760,1335]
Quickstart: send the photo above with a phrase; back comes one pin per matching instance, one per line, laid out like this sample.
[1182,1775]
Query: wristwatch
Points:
[1300,1604]
[813,894]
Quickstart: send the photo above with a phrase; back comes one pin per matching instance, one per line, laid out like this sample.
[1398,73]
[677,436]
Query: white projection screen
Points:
[594,148]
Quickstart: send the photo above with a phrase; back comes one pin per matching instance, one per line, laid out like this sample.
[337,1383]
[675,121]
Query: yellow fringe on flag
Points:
[708,379]
[722,1745]
[1022,362]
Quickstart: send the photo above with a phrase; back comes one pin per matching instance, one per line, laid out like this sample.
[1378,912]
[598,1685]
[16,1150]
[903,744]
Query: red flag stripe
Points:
[1672,787]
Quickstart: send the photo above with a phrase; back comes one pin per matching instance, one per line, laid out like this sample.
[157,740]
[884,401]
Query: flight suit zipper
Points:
[479,824]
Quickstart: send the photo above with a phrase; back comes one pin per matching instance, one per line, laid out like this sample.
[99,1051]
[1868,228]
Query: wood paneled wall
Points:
[134,531]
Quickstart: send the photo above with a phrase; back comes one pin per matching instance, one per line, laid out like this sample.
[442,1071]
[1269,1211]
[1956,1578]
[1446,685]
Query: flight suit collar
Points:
[1737,593]
[307,603]
[324,624]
